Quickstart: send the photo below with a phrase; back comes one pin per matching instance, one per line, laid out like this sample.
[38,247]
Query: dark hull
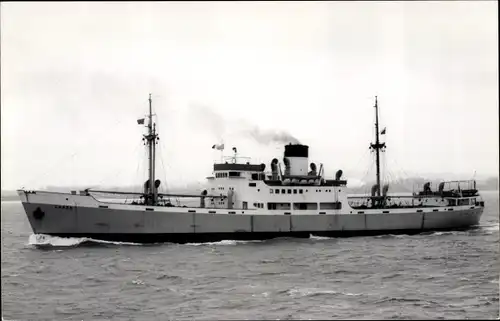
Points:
[182,238]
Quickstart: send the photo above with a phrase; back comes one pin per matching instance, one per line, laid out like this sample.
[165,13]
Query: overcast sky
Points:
[75,77]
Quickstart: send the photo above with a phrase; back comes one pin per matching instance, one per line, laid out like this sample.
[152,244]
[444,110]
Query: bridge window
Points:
[278,206]
[283,191]
[300,191]
[234,174]
[276,191]
[271,191]
[294,191]
[331,206]
[252,184]
[289,191]
[258,176]
[463,201]
[305,206]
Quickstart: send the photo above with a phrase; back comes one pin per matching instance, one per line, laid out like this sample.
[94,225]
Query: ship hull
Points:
[142,226]
[183,238]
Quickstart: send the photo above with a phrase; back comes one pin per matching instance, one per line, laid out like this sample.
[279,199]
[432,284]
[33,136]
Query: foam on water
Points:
[445,233]
[138,282]
[43,240]
[314,237]
[264,294]
[491,228]
[224,242]
[398,236]
[304,292]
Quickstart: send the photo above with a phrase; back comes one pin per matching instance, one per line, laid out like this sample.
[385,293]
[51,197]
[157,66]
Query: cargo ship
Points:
[243,201]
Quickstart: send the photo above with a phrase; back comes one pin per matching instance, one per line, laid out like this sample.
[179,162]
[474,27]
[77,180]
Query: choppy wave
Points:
[314,237]
[304,292]
[491,228]
[138,282]
[445,233]
[400,299]
[43,240]
[398,236]
[224,242]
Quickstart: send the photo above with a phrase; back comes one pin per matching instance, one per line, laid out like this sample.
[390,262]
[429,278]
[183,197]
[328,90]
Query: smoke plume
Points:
[270,136]
[216,123]
[208,118]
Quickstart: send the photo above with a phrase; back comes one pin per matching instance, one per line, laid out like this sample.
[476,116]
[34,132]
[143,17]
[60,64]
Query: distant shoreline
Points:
[8,198]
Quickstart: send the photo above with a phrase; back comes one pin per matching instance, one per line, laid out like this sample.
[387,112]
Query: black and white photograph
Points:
[241,160]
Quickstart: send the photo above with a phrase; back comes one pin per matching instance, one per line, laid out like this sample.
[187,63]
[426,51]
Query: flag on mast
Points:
[383,131]
[140,121]
[218,146]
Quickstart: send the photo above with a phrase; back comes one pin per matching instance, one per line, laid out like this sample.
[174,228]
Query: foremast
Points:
[378,146]
[151,197]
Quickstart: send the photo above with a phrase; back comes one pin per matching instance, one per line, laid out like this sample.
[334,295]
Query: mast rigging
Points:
[377,147]
[151,137]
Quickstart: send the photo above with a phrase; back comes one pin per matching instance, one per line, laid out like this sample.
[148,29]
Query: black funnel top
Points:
[296,150]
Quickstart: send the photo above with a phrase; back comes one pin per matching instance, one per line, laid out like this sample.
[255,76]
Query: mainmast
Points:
[151,141]
[377,147]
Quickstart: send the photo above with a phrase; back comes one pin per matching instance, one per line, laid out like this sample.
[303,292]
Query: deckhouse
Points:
[249,186]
